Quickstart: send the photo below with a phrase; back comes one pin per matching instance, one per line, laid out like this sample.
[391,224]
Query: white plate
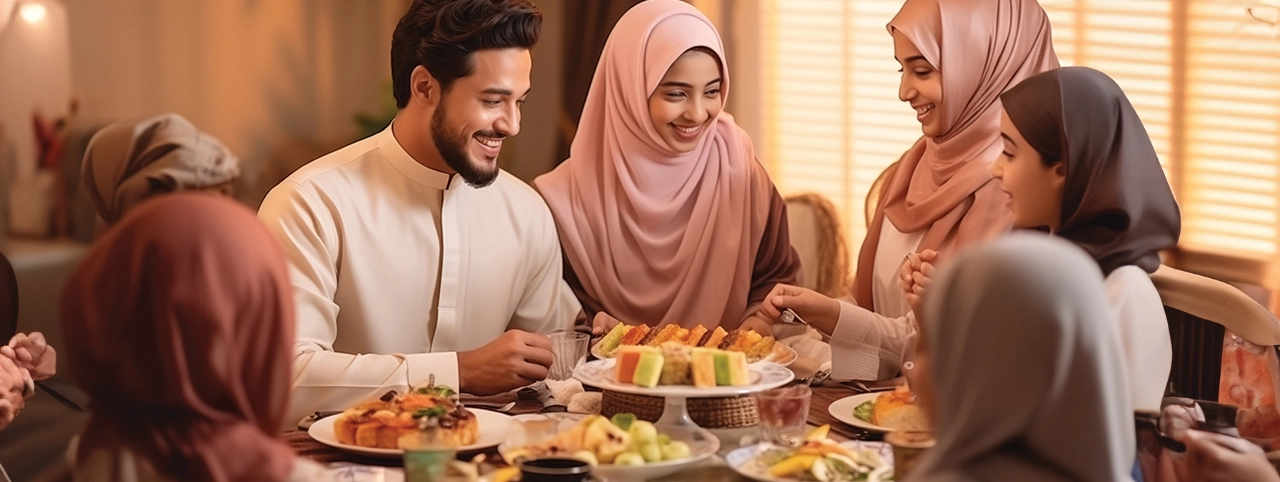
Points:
[533,428]
[494,428]
[763,376]
[781,354]
[738,459]
[842,410]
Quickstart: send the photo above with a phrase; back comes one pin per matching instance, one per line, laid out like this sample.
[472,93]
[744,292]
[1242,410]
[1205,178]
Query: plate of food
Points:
[619,448]
[375,427]
[881,412]
[677,370]
[757,347]
[817,458]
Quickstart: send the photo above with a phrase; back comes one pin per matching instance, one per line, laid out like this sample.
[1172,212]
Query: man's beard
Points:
[454,151]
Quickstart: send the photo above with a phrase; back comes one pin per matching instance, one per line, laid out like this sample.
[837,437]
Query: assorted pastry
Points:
[381,423]
[896,410]
[674,363]
[755,346]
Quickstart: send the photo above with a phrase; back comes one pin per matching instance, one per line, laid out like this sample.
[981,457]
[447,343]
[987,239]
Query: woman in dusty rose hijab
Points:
[129,161]
[664,212]
[184,316]
[957,57]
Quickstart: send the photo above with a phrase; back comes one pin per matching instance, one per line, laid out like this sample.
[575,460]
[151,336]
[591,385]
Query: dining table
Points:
[714,469]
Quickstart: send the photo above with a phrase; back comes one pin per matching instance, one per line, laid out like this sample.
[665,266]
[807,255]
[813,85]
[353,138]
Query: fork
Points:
[790,317]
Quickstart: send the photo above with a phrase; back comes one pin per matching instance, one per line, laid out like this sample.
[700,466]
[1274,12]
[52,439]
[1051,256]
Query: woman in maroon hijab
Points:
[184,316]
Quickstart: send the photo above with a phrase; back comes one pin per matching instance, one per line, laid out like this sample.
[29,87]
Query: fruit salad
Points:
[820,459]
[622,440]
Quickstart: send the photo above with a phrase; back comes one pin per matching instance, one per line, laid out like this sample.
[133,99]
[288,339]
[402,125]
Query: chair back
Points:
[874,194]
[818,237]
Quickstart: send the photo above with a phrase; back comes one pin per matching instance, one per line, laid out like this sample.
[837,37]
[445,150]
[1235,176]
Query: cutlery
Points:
[790,317]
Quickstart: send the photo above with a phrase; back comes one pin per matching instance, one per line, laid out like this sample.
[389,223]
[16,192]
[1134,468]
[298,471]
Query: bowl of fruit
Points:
[618,448]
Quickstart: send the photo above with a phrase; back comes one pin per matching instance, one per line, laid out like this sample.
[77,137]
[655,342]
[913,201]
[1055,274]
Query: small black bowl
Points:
[554,470]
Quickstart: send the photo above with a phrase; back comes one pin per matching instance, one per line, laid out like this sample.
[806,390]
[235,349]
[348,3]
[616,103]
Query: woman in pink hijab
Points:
[664,213]
[957,57]
[184,316]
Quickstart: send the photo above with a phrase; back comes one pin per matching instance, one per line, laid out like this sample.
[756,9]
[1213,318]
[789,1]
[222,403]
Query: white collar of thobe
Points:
[410,168]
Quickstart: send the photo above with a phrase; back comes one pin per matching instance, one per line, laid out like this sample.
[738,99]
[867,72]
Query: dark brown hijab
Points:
[1116,203]
[184,320]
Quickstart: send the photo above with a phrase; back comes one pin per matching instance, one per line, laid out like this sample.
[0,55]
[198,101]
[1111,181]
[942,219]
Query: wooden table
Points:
[712,471]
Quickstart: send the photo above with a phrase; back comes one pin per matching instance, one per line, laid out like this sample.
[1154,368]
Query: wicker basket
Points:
[731,412]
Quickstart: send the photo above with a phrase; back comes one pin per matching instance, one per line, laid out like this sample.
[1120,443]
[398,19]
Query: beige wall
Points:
[253,73]
[271,79]
[533,151]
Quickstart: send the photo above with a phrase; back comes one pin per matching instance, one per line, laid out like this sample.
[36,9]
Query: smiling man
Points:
[411,253]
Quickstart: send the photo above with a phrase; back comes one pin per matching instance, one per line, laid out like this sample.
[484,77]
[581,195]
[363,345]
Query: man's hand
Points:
[13,385]
[818,310]
[513,360]
[32,353]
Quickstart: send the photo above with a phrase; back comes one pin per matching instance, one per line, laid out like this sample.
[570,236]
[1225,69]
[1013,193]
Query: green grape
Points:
[628,458]
[676,450]
[643,432]
[651,452]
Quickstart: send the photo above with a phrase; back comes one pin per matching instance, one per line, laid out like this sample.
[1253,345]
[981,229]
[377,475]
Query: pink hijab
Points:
[656,236]
[184,321]
[943,186]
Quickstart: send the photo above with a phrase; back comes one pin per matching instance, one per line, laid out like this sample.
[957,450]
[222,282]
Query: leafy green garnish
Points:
[437,390]
[771,457]
[436,411]
[863,412]
[623,420]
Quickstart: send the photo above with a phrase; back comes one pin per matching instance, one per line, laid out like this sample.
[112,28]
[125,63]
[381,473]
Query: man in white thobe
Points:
[411,253]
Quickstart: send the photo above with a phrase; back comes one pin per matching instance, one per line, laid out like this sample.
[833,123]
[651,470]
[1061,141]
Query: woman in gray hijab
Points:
[130,161]
[1019,371]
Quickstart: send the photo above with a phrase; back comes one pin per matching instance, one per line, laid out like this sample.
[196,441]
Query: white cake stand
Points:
[675,413]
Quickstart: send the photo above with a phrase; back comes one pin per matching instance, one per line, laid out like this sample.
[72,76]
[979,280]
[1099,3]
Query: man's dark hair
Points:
[442,35]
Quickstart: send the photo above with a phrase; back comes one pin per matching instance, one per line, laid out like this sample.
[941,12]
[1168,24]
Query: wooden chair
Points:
[817,236]
[874,194]
[1200,310]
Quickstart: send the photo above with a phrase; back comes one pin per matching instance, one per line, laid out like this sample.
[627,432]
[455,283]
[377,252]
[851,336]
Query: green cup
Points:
[427,464]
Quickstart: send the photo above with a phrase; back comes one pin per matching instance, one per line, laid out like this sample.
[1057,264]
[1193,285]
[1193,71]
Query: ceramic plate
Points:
[740,459]
[842,410]
[532,428]
[494,428]
[763,376]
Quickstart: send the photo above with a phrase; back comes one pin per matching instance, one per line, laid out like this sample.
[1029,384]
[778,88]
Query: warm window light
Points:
[32,12]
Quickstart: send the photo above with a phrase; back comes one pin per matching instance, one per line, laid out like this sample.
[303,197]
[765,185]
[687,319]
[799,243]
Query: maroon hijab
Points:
[8,300]
[184,321]
[1116,203]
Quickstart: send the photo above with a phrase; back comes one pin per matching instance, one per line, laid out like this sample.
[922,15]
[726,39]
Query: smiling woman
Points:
[664,213]
[687,99]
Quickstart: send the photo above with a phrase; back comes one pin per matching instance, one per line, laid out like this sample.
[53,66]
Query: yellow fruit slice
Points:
[818,433]
[505,474]
[794,465]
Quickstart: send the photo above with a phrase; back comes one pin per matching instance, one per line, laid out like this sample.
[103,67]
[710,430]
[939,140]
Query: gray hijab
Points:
[1028,375]
[1116,203]
[129,161]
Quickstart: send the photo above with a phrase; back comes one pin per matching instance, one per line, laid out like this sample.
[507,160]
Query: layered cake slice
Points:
[628,360]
